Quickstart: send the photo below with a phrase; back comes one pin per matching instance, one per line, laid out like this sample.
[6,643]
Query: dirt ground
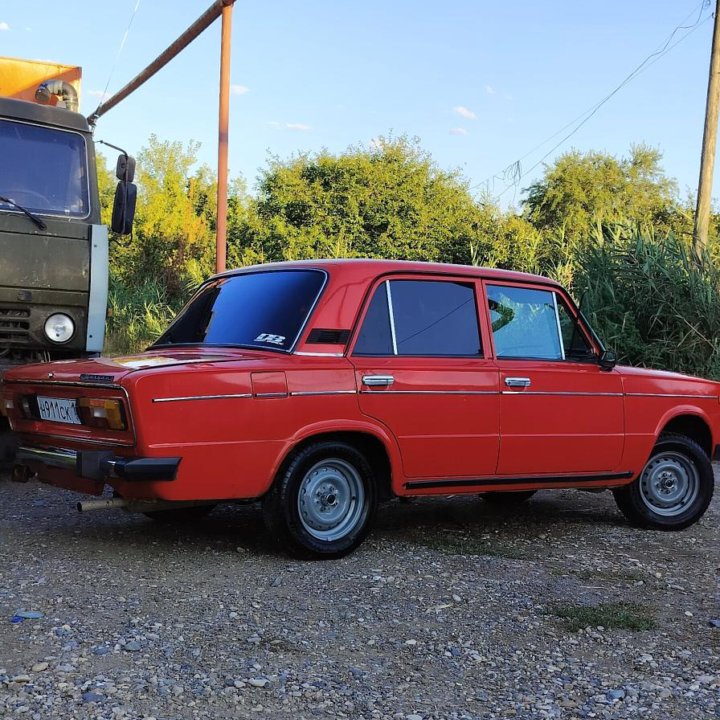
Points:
[451,609]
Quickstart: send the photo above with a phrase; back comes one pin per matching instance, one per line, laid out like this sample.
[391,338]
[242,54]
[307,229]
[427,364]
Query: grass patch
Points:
[460,544]
[619,616]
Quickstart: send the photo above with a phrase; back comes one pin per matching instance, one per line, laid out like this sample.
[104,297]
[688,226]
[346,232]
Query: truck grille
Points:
[14,325]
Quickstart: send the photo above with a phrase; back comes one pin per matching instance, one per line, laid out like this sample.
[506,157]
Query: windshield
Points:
[43,169]
[266,310]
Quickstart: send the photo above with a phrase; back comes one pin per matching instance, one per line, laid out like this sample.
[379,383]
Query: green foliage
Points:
[137,315]
[386,201]
[653,301]
[581,190]
[617,615]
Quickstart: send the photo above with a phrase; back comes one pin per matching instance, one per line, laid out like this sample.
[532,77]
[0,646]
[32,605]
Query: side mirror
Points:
[125,168]
[608,360]
[124,208]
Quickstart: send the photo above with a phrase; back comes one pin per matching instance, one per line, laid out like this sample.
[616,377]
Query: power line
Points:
[514,171]
[120,49]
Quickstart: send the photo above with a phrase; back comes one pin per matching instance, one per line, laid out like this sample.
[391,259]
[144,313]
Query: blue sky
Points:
[480,83]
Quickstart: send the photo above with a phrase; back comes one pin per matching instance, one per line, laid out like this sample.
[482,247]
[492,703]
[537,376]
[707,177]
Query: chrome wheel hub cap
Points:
[331,500]
[669,483]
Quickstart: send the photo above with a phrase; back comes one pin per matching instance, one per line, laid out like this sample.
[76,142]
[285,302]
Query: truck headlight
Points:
[59,328]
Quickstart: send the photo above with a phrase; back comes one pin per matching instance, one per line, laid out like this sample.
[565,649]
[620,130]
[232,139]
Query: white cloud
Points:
[4,26]
[464,112]
[458,131]
[239,89]
[298,127]
[99,94]
[490,90]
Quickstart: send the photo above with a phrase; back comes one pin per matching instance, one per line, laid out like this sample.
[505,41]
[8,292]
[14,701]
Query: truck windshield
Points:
[265,310]
[43,169]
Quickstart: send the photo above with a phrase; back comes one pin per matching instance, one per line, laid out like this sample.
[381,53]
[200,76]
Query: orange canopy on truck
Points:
[20,78]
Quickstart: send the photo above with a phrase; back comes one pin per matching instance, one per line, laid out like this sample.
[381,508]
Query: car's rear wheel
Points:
[507,499]
[674,488]
[323,502]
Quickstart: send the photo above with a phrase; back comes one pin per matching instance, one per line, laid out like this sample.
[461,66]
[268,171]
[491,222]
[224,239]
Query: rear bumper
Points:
[101,464]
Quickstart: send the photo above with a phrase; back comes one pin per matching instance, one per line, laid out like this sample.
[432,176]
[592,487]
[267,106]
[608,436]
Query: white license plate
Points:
[58,410]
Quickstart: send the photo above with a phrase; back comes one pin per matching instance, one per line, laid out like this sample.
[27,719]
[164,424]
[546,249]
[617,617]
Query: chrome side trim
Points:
[97,301]
[315,393]
[673,395]
[202,397]
[561,392]
[271,395]
[317,354]
[52,457]
[430,392]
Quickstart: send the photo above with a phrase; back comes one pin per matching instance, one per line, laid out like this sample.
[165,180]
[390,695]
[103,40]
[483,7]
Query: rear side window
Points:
[421,318]
[524,323]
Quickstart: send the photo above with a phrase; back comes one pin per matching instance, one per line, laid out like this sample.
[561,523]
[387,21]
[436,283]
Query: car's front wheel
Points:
[323,502]
[674,488]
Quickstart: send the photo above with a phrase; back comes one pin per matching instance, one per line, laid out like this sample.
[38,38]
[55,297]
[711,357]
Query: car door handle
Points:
[378,380]
[517,382]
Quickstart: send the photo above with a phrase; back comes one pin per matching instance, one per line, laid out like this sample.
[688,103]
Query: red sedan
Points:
[320,387]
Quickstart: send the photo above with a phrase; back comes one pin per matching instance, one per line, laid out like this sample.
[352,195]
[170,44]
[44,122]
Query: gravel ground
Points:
[451,609]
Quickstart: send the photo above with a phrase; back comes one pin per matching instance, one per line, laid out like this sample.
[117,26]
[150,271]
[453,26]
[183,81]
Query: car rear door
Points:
[421,371]
[560,413]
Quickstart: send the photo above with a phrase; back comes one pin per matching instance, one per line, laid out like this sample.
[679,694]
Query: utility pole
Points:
[223,129]
[707,161]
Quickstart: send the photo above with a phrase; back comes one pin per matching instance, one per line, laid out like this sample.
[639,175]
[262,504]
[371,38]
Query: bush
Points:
[652,301]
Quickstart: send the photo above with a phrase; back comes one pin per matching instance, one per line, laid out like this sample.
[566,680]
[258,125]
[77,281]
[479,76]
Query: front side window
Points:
[421,318]
[575,344]
[524,323]
[43,169]
[265,310]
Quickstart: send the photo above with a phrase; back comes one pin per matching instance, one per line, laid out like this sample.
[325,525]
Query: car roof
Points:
[363,268]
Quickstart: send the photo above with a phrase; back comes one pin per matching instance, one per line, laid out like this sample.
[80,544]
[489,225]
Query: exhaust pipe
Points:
[139,505]
[108,504]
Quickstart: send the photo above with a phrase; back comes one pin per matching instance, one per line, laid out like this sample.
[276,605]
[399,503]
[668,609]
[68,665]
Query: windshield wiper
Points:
[34,218]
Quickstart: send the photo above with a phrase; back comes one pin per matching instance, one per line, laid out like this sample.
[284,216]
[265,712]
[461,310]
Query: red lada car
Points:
[320,387]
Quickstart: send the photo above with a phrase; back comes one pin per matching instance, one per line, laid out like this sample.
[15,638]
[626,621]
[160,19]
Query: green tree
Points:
[581,191]
[389,201]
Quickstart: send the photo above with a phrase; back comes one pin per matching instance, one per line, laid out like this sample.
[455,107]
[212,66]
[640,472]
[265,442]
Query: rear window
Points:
[265,310]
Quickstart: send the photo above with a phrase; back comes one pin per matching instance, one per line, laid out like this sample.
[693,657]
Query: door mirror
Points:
[124,208]
[608,360]
[125,168]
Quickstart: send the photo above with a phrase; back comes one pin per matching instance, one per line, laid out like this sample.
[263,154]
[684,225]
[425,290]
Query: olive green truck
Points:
[53,247]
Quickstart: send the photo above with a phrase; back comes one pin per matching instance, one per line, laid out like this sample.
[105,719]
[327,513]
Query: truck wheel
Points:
[674,488]
[507,499]
[323,502]
[181,515]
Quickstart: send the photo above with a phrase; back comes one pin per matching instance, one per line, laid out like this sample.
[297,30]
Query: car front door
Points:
[560,413]
[421,371]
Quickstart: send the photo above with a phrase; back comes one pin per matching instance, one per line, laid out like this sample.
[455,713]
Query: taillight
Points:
[102,413]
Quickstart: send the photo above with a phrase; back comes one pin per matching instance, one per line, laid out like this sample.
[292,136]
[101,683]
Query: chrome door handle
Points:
[517,382]
[378,380]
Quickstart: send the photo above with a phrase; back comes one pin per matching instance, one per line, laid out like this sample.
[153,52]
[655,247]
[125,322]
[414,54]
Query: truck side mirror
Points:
[124,208]
[125,168]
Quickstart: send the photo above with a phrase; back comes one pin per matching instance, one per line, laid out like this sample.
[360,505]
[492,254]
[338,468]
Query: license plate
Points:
[58,410]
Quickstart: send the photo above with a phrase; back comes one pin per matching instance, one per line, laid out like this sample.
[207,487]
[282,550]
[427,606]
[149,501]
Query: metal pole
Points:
[206,19]
[707,161]
[223,123]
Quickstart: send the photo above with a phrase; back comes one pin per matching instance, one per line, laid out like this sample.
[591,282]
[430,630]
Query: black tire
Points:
[338,490]
[507,499]
[673,490]
[181,516]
